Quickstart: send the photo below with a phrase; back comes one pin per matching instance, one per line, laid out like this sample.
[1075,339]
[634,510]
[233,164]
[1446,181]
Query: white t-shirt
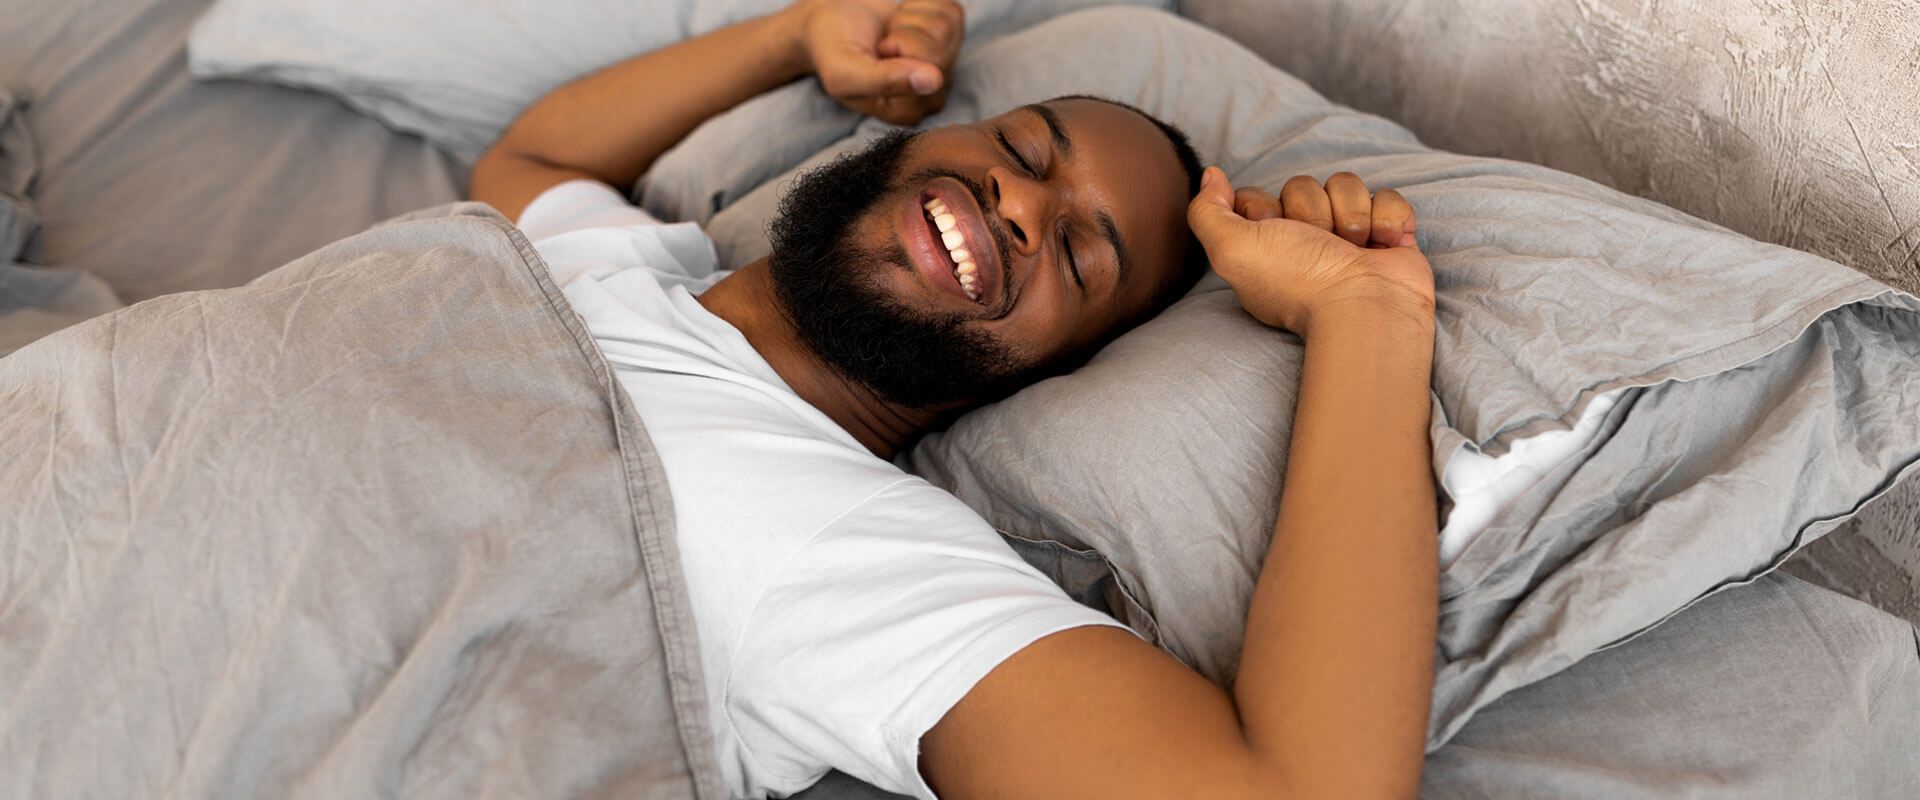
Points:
[843,606]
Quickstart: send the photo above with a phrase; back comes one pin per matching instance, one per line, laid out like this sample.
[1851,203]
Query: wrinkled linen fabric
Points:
[378,524]
[157,183]
[457,72]
[34,300]
[1166,453]
[19,165]
[1778,690]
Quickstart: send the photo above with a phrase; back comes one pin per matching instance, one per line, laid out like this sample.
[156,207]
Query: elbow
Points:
[487,172]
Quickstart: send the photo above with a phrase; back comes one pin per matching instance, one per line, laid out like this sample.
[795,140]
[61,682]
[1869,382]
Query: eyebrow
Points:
[1064,144]
[1059,132]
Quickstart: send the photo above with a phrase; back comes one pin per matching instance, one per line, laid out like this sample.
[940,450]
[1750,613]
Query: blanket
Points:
[378,524]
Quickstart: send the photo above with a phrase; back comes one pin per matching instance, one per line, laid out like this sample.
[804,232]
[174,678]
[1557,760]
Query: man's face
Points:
[1071,214]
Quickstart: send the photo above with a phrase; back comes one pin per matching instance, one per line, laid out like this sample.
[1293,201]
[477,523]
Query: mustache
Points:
[996,228]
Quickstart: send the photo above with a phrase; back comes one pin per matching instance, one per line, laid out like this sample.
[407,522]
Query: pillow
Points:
[19,165]
[1709,403]
[34,300]
[458,71]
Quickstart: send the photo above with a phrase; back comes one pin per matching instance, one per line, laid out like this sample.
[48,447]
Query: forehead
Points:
[1122,163]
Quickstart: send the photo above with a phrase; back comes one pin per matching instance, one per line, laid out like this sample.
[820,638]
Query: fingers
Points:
[1352,207]
[930,30]
[861,76]
[1211,215]
[1392,219]
[915,43]
[1304,200]
[911,43]
[1342,206]
[1255,203]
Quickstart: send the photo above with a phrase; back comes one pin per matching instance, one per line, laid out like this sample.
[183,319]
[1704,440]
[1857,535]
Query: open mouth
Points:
[945,228]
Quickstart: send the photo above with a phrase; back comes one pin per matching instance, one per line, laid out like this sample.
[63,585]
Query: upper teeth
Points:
[949,227]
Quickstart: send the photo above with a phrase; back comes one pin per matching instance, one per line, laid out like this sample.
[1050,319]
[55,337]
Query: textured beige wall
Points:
[1792,121]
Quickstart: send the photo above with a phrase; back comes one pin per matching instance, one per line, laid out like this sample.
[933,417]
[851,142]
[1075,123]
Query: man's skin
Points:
[1336,672]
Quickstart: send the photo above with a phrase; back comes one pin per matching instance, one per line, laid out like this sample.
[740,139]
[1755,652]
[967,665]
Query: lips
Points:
[948,240]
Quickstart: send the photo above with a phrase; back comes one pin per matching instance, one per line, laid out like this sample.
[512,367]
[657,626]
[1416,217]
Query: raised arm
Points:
[878,57]
[1335,676]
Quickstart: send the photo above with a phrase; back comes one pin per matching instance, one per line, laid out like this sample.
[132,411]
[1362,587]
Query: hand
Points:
[1313,248]
[883,59]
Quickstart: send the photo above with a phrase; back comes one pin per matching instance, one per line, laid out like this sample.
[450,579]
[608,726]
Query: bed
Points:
[151,184]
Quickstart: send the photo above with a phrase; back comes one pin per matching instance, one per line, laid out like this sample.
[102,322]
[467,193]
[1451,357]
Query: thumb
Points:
[1211,213]
[865,76]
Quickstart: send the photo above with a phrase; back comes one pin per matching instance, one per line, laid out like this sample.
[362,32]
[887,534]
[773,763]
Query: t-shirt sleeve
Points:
[878,626]
[585,227]
[578,205]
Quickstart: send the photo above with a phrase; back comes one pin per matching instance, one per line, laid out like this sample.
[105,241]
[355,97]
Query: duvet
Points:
[378,524]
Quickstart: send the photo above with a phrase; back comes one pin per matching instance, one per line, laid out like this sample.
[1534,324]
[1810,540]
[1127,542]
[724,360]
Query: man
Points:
[854,617]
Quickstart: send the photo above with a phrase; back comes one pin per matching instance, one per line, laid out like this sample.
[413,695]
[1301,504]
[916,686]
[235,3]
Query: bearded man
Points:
[853,616]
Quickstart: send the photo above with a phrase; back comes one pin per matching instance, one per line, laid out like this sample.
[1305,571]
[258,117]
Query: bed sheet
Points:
[1777,689]
[158,184]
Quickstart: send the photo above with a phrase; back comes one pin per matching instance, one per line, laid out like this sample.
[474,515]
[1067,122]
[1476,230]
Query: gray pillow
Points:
[34,300]
[19,165]
[458,71]
[1764,394]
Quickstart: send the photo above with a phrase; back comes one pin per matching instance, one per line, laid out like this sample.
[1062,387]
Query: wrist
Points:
[786,36]
[1386,317]
[1381,305]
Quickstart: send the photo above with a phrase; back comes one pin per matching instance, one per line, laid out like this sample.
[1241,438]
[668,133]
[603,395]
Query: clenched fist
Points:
[1314,249]
[881,58]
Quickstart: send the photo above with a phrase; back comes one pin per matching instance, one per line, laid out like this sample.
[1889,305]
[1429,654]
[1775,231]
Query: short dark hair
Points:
[1193,261]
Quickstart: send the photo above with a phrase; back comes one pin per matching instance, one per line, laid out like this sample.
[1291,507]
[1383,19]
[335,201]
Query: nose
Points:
[1026,205]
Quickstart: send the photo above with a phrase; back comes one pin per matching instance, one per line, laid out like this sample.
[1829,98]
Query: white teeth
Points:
[965,269]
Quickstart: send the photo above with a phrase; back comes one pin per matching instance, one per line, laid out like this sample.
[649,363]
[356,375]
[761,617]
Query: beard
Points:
[830,288]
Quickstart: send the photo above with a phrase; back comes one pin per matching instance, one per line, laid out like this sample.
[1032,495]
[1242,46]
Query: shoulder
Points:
[579,204]
[587,227]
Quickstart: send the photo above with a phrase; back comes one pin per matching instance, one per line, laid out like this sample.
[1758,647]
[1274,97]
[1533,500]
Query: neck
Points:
[747,301]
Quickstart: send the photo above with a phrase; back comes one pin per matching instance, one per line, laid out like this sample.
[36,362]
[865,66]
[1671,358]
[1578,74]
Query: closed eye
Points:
[1017,158]
[1066,246]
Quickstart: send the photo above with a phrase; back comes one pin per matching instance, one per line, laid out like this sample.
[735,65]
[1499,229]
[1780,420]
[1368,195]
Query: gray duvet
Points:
[378,524]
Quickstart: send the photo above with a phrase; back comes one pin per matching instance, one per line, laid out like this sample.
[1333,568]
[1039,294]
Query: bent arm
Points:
[610,125]
[1335,678]
[1336,674]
